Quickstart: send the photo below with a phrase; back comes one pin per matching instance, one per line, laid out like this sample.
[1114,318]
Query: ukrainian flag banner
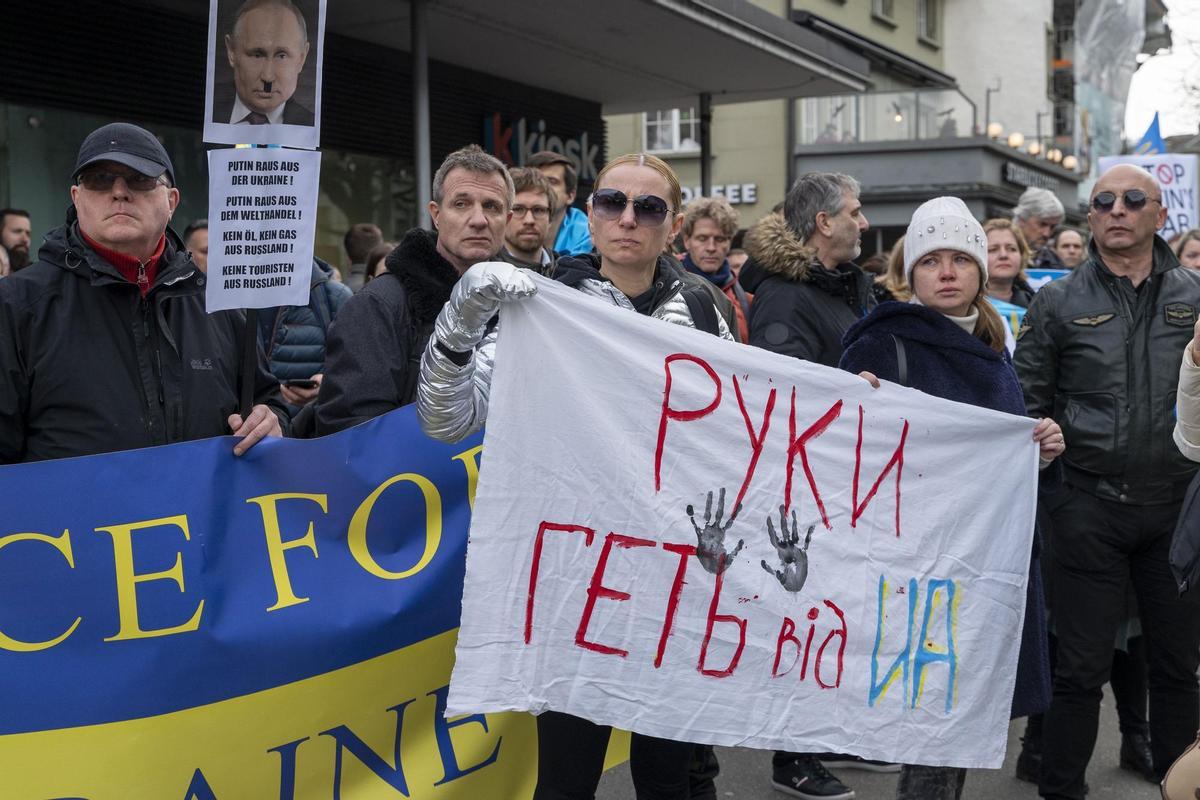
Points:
[181,623]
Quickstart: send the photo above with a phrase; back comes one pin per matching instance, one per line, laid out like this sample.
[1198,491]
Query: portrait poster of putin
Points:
[264,76]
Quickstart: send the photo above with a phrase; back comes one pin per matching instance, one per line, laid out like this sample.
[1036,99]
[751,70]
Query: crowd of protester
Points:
[105,345]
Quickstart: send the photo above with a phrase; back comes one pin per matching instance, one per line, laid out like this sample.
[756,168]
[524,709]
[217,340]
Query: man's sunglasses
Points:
[102,181]
[1133,199]
[648,210]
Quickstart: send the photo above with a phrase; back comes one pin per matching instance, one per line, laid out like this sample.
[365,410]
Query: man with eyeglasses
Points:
[1100,351]
[105,343]
[528,227]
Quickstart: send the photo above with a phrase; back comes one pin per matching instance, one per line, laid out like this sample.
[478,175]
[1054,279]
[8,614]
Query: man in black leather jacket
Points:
[1099,352]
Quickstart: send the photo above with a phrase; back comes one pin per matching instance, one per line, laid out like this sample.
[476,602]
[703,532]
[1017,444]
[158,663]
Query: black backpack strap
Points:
[700,306]
[901,361]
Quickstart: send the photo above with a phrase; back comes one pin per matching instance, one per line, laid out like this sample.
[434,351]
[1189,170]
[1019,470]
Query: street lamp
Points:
[1055,155]
[1035,148]
[987,109]
[1015,140]
[1041,114]
[1070,162]
[995,130]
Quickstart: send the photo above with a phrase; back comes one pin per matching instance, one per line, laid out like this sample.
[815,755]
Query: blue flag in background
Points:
[1151,141]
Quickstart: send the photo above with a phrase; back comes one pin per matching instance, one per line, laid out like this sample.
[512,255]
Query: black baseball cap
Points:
[125,144]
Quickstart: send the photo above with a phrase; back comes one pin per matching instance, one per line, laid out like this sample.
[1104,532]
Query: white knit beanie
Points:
[944,223]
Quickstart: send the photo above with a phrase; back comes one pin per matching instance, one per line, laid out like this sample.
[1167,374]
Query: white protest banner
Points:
[262,216]
[1176,176]
[629,561]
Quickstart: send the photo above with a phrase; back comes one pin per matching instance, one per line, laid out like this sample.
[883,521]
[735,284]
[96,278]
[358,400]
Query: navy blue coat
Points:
[294,336]
[945,361]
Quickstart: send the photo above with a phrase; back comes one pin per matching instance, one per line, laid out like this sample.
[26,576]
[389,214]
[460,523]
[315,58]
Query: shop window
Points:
[672,130]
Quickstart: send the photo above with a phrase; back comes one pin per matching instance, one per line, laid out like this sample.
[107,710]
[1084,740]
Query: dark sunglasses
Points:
[1134,200]
[648,210]
[102,181]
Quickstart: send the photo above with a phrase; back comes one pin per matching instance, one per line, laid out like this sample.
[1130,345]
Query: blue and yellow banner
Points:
[180,623]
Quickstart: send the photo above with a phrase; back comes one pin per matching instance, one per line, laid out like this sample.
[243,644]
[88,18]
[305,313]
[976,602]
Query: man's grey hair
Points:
[813,193]
[1040,203]
[251,5]
[473,159]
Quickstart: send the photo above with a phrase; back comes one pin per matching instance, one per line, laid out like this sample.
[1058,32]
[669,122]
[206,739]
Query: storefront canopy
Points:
[627,55]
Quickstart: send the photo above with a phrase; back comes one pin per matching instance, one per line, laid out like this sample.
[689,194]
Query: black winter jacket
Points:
[373,351]
[294,336]
[87,366]
[800,308]
[1103,361]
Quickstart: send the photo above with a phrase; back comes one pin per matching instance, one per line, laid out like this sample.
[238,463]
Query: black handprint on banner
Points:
[710,540]
[792,558]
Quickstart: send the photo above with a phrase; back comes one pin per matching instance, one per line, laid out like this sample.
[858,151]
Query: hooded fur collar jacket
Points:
[801,308]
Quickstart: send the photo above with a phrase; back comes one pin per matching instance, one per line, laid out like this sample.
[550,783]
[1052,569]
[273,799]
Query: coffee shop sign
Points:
[735,193]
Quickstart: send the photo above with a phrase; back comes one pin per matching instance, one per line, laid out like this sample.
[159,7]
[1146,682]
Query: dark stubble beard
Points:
[18,258]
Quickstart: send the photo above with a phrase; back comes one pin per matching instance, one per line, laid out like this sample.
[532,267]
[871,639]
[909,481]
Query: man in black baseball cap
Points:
[104,341]
[122,143]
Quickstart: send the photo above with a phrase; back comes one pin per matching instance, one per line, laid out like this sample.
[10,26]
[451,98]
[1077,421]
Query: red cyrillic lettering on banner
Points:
[598,590]
[685,552]
[798,446]
[840,633]
[897,461]
[713,618]
[680,415]
[756,442]
[812,627]
[785,634]
[537,563]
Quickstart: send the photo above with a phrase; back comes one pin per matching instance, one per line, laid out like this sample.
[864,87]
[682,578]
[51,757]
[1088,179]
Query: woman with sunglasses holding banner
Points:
[633,213]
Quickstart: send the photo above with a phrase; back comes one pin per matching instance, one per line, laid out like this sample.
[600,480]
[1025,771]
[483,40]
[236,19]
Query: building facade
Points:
[942,73]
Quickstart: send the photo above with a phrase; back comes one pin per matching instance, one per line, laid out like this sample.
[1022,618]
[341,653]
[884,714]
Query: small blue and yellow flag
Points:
[1151,142]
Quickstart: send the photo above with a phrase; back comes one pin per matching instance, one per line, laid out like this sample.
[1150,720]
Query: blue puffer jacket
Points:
[294,336]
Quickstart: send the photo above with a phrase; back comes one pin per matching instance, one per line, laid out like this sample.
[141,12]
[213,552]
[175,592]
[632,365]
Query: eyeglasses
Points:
[648,210]
[539,212]
[102,181]
[1133,199]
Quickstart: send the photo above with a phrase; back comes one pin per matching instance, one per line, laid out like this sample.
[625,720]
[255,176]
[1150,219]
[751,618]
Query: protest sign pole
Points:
[249,362]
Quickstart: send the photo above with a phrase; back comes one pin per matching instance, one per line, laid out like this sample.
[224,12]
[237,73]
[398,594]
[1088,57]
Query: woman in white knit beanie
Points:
[948,341]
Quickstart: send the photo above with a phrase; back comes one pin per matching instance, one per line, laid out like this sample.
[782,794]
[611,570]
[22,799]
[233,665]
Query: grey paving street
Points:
[745,774]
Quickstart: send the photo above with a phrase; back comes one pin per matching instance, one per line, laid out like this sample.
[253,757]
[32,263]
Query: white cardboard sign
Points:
[1176,176]
[609,576]
[262,215]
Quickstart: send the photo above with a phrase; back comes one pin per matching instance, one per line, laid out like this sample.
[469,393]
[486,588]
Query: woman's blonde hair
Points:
[989,328]
[893,277]
[1001,224]
[1182,241]
[655,163]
